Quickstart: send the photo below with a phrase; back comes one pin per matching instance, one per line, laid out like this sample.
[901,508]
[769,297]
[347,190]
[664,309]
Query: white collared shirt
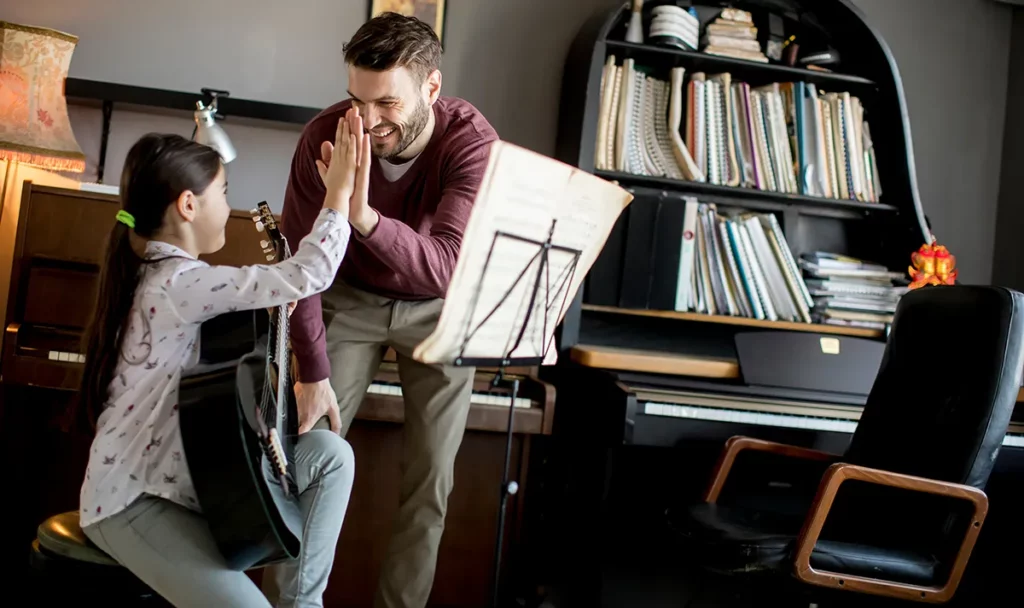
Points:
[137,449]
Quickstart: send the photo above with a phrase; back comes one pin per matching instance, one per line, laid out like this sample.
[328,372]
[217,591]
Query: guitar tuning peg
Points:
[259,226]
[270,258]
[268,250]
[264,243]
[254,211]
[256,218]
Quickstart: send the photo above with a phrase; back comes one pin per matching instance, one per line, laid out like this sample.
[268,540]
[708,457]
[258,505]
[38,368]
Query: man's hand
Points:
[337,167]
[314,400]
[362,217]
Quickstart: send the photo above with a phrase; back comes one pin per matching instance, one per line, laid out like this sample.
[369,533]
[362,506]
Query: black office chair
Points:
[898,514]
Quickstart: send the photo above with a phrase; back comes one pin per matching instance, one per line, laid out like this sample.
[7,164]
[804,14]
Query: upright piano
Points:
[60,240]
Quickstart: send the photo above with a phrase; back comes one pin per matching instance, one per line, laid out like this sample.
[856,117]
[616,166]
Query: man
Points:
[430,154]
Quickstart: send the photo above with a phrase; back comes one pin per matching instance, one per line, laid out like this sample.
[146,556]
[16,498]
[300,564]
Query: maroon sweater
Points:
[411,253]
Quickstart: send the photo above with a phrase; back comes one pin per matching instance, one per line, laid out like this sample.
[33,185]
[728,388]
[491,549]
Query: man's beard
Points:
[407,131]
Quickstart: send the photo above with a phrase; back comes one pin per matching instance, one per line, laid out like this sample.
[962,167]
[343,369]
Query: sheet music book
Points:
[521,193]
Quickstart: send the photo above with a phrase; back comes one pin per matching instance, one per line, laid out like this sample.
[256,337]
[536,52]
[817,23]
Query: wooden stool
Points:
[72,568]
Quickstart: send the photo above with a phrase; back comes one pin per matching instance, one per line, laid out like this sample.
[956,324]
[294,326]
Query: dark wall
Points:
[952,56]
[1008,254]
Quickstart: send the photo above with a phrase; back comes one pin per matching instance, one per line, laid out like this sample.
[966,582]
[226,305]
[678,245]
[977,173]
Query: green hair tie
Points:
[126,218]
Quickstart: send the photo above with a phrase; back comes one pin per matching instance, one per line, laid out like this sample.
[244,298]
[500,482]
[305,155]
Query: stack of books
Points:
[733,34]
[851,292]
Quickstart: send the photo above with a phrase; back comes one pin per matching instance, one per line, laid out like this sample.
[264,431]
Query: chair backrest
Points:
[947,385]
[939,408]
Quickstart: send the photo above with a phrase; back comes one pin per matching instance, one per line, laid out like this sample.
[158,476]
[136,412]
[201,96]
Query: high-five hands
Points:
[362,217]
[350,151]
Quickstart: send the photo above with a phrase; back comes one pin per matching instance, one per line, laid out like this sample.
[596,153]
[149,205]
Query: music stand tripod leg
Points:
[508,487]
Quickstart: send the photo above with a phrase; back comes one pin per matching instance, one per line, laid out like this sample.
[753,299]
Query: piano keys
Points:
[734,413]
[496,397]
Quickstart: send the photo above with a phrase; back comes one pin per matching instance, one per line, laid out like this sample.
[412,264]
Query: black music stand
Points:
[563,280]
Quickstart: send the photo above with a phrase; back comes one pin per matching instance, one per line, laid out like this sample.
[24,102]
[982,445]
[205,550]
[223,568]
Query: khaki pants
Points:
[360,326]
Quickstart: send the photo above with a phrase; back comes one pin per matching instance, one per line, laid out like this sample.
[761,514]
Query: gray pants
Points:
[170,548]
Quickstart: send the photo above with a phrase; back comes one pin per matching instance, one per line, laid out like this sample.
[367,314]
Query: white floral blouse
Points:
[137,449]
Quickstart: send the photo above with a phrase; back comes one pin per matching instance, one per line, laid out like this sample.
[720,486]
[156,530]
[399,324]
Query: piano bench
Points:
[71,568]
[62,536]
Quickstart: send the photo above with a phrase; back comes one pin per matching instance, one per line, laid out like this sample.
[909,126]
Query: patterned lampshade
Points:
[34,124]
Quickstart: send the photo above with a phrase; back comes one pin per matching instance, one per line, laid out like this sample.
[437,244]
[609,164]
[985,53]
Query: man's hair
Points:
[391,40]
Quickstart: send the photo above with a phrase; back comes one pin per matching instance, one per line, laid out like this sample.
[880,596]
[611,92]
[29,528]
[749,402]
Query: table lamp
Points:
[34,125]
[36,140]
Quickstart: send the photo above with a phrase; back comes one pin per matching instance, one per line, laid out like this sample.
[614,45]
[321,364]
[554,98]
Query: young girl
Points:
[137,501]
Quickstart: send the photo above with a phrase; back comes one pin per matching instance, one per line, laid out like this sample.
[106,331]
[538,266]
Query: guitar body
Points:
[252,520]
[238,424]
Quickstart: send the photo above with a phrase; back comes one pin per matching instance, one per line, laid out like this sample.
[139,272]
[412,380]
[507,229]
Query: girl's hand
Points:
[337,167]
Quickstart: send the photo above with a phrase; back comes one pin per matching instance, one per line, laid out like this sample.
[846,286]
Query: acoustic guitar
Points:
[238,425]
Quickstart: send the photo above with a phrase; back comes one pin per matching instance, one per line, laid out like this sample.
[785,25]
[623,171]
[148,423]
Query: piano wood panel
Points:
[465,557]
[634,360]
[61,226]
[58,297]
[18,176]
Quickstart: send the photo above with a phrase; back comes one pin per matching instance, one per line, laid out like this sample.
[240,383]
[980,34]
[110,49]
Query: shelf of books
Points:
[785,140]
[738,268]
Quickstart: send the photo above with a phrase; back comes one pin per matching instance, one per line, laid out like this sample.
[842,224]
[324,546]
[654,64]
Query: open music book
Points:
[522,192]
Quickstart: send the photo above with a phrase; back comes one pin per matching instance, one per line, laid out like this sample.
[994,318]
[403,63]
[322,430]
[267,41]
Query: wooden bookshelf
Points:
[817,328]
[631,281]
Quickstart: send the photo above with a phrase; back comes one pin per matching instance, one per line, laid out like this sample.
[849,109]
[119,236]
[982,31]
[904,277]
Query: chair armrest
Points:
[833,478]
[735,445]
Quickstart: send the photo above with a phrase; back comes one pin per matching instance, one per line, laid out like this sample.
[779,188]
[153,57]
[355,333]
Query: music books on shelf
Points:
[787,137]
[738,263]
[521,194]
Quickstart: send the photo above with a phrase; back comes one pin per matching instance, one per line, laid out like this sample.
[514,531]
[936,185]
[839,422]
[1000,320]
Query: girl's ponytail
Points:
[103,339]
[157,170]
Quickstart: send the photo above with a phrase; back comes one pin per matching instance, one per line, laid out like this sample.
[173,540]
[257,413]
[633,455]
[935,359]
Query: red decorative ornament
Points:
[932,265]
